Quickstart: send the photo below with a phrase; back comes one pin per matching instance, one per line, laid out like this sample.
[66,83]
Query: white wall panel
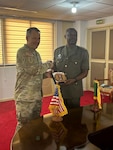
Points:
[7,82]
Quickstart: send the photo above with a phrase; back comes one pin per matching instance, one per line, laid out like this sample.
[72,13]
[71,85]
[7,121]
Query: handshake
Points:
[50,64]
[48,73]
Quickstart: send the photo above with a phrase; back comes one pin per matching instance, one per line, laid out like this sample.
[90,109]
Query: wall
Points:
[8,74]
[81,27]
[107,21]
[60,31]
[7,82]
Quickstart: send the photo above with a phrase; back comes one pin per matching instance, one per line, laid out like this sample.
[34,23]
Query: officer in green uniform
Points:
[73,60]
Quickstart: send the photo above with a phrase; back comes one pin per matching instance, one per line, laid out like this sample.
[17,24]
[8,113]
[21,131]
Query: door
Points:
[100,48]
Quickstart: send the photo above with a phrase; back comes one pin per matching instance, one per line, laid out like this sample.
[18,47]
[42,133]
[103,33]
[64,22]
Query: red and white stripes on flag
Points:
[56,105]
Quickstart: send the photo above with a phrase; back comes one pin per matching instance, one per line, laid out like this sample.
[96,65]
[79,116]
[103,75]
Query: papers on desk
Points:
[106,86]
[106,89]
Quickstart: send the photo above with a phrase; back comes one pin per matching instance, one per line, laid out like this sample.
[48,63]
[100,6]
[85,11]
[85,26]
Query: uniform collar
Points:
[69,51]
[29,48]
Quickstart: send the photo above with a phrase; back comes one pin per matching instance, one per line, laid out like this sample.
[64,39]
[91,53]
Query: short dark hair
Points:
[29,30]
[71,29]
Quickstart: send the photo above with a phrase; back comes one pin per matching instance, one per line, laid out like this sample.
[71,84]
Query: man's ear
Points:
[65,36]
[27,38]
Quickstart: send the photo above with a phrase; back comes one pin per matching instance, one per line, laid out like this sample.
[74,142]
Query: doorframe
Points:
[106,60]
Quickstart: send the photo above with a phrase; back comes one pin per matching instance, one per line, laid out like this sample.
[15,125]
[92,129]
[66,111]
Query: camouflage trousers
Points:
[27,111]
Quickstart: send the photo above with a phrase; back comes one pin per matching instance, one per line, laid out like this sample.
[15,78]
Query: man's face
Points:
[71,37]
[33,40]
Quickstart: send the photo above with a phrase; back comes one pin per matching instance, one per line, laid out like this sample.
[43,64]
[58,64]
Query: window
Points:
[46,43]
[14,32]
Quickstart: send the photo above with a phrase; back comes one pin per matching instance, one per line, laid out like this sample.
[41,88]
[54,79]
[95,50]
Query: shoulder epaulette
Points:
[60,48]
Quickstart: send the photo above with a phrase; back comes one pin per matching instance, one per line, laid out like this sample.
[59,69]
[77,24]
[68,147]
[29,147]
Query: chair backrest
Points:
[109,80]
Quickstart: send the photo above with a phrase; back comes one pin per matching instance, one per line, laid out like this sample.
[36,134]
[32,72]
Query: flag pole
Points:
[53,77]
[57,106]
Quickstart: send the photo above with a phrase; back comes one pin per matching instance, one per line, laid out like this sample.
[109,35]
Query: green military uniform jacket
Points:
[71,62]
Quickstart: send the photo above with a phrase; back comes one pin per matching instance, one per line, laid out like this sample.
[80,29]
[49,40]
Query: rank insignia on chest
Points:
[59,56]
[76,62]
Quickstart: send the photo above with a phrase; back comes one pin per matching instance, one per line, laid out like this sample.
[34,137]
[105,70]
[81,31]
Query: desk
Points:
[72,132]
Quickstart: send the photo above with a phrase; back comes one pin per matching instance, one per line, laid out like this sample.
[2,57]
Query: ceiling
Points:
[58,9]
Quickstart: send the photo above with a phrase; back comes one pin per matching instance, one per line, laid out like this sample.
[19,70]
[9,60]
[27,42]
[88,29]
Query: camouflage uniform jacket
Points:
[71,62]
[30,71]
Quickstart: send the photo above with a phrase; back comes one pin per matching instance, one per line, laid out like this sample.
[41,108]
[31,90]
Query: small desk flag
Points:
[56,105]
[97,95]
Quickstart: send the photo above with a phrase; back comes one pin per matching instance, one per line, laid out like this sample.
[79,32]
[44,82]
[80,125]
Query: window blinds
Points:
[15,37]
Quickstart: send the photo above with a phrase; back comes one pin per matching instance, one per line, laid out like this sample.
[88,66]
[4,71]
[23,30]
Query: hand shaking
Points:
[50,64]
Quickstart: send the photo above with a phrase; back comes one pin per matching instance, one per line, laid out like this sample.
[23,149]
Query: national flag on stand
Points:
[56,106]
[97,95]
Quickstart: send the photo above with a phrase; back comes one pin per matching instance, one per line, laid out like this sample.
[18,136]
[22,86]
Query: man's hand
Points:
[50,63]
[70,81]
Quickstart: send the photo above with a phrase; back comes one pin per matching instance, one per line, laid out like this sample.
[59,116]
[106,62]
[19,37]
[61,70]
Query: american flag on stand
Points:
[56,105]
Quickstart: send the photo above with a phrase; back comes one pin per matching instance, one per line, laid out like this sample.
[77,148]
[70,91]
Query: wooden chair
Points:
[101,90]
[106,89]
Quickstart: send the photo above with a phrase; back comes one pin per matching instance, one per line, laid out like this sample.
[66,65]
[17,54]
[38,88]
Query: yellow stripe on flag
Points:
[56,105]
[97,95]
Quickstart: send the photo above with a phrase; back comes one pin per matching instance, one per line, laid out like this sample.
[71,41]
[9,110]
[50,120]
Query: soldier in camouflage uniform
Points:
[73,60]
[30,70]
